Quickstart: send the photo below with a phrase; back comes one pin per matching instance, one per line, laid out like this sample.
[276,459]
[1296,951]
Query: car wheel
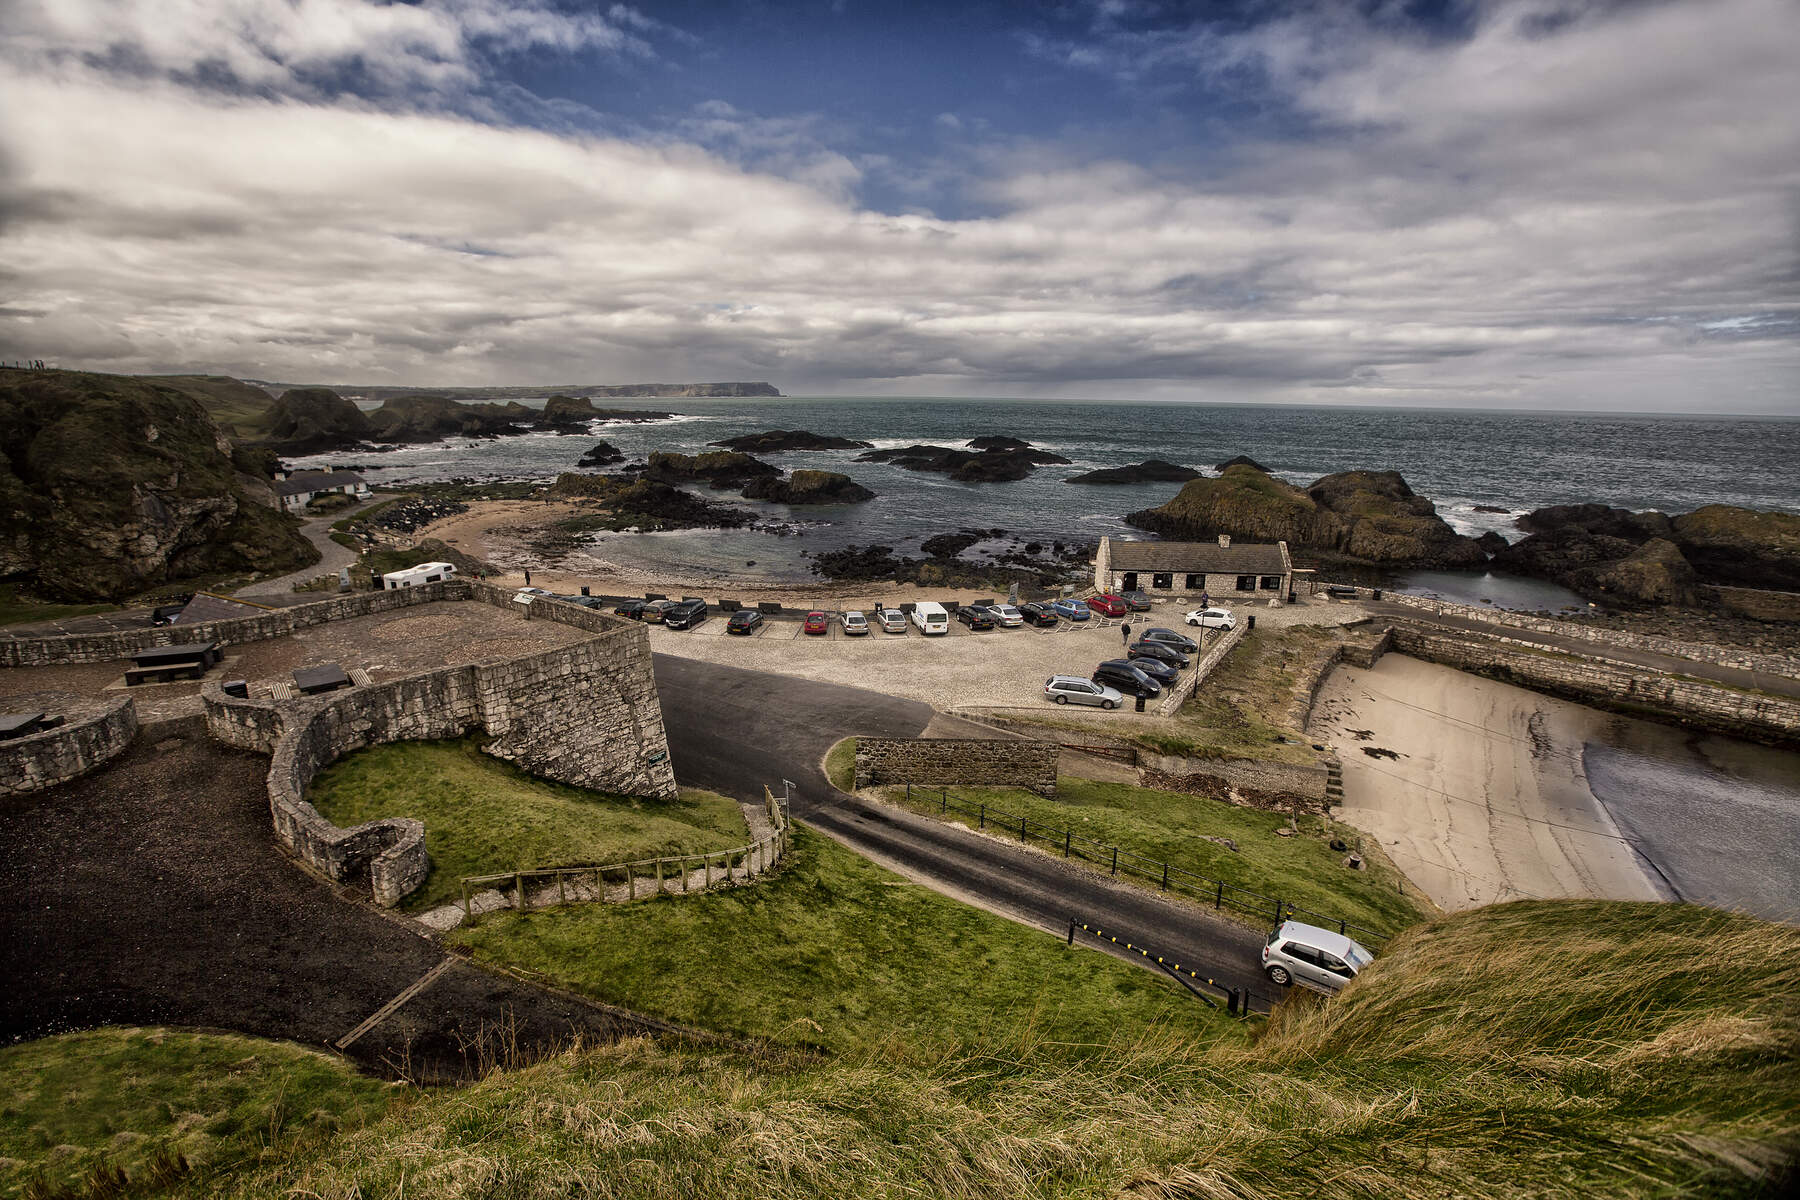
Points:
[1062,699]
[1280,975]
[1109,704]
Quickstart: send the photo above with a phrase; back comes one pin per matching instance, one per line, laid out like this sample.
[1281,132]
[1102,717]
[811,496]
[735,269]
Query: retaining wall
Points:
[1590,680]
[1724,656]
[93,733]
[1186,685]
[997,762]
[1255,779]
[584,714]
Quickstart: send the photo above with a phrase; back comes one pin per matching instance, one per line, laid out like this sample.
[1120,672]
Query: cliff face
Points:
[1369,517]
[111,485]
[428,418]
[314,420]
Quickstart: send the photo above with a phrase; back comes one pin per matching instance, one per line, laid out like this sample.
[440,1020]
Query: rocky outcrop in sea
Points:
[1151,470]
[993,459]
[777,440]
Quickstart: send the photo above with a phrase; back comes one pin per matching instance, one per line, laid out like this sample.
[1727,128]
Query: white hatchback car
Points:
[855,624]
[1321,959]
[1212,618]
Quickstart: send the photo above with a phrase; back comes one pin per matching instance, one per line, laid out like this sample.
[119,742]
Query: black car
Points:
[631,608]
[685,615]
[1124,675]
[975,618]
[1038,614]
[1169,637]
[744,620]
[593,602]
[1135,601]
[1160,671]
[1160,651]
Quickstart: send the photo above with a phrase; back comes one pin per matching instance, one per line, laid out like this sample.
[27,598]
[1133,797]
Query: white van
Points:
[930,617]
[413,576]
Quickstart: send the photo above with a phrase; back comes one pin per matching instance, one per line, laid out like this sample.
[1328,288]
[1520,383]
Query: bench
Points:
[329,677]
[137,675]
[769,608]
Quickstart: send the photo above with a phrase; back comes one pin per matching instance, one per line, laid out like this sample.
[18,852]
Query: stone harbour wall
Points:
[584,714]
[93,733]
[993,762]
[1595,680]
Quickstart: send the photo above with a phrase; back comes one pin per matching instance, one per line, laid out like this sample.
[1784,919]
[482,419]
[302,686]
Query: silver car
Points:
[1321,959]
[1005,615]
[854,623]
[891,620]
[1073,689]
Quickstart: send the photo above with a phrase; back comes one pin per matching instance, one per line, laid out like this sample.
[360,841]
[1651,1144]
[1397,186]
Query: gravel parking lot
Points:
[998,667]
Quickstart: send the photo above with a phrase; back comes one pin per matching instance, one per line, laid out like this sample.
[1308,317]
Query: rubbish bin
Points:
[236,687]
[1376,594]
[1140,704]
[1252,621]
[584,590]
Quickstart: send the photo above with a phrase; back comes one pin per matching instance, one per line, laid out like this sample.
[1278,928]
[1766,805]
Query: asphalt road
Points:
[733,731]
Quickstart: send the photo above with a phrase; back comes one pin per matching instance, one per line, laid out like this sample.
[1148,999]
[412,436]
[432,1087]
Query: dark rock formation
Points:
[314,421]
[1243,460]
[718,469]
[968,466]
[567,414]
[997,442]
[601,454]
[1654,573]
[1366,517]
[789,439]
[1597,519]
[1741,547]
[110,485]
[415,418]
[1151,470]
[642,504]
[1491,542]
[949,545]
[808,487]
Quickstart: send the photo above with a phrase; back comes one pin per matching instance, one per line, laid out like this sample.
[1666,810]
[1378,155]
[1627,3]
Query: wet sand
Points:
[1476,790]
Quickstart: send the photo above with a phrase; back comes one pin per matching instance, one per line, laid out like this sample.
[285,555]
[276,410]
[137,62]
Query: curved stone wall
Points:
[92,733]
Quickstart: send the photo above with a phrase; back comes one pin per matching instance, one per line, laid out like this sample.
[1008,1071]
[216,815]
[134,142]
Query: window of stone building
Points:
[1162,581]
[1246,583]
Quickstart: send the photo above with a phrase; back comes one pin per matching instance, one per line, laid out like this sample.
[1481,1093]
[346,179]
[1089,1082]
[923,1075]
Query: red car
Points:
[1109,604]
[817,622]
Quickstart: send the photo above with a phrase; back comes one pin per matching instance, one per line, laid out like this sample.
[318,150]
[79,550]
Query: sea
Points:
[1482,469]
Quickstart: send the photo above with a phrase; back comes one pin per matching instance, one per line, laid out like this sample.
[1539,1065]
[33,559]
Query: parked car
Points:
[531,591]
[855,624]
[1321,959]
[1169,637]
[1038,614]
[1005,615]
[1136,601]
[1073,610]
[631,608]
[1212,618]
[975,618]
[1109,604]
[1073,689]
[593,602]
[932,618]
[685,614]
[1162,652]
[816,623]
[744,621]
[1160,671]
[891,620]
[654,610]
[1124,675]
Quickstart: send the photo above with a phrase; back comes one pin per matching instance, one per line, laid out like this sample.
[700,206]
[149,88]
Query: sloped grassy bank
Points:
[1532,1049]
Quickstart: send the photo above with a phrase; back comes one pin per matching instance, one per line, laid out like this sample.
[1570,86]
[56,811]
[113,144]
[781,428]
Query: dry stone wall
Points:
[92,733]
[1593,680]
[584,714]
[971,761]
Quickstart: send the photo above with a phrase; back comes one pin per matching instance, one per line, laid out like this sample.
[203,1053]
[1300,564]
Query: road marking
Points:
[392,1006]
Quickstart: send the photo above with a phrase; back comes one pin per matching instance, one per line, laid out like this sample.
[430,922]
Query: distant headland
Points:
[385,392]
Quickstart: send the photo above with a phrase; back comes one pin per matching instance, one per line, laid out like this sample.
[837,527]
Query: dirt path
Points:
[152,892]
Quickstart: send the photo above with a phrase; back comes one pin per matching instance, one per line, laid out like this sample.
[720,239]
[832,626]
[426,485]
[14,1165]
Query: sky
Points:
[1547,204]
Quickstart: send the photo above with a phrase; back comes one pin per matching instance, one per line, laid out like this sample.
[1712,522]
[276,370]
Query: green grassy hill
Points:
[1536,1049]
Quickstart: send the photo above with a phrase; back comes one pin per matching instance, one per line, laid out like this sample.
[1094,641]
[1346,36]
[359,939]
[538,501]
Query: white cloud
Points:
[1517,218]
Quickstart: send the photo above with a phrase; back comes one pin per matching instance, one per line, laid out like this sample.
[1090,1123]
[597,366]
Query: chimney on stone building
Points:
[1224,541]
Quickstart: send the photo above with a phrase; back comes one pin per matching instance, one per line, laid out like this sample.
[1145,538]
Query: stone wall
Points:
[1187,684]
[584,714]
[1756,603]
[1724,656]
[92,733]
[994,762]
[1356,654]
[1259,782]
[1597,681]
[280,622]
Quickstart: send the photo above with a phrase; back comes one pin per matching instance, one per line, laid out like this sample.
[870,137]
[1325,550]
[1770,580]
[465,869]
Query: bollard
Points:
[1071,931]
[1140,703]
[1252,621]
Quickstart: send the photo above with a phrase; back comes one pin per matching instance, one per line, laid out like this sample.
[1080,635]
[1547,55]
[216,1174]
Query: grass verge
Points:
[836,952]
[80,1107]
[840,765]
[483,816]
[16,609]
[1302,870]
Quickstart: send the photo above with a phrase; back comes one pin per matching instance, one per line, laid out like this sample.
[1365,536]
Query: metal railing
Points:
[1119,861]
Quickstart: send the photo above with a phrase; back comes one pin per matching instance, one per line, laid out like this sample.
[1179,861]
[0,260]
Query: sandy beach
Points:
[1474,789]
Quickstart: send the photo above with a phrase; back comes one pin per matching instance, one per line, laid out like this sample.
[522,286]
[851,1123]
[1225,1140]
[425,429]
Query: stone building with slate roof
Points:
[1225,571]
[297,489]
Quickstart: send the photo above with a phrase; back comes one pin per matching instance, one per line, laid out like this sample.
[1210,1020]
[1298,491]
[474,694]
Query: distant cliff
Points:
[466,395]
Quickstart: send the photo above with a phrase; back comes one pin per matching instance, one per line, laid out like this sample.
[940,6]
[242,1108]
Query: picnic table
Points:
[311,681]
[193,659]
[17,725]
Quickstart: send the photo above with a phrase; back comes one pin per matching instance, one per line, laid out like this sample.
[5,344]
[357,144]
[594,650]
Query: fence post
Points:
[519,892]
[467,915]
[1068,836]
[944,796]
[1340,925]
[1165,877]
[1219,900]
[562,892]
[709,872]
[983,821]
[1278,907]
[1115,866]
[659,876]
[684,874]
[1022,836]
[1071,931]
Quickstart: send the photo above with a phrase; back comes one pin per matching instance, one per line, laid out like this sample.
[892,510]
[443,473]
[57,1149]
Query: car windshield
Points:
[1358,957]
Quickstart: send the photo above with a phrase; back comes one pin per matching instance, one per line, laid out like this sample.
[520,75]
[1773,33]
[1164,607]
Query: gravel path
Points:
[332,557]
